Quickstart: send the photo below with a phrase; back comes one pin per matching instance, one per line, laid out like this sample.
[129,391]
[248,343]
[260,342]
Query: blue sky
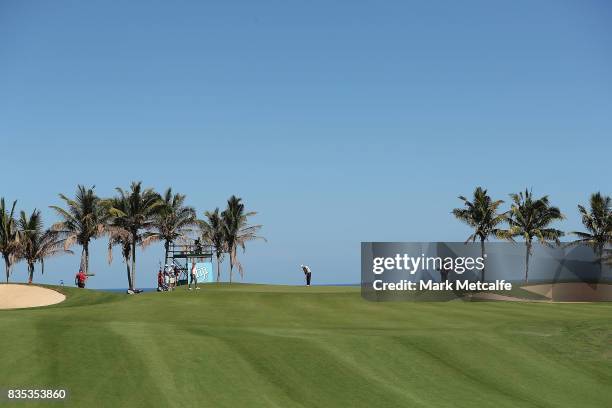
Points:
[339,122]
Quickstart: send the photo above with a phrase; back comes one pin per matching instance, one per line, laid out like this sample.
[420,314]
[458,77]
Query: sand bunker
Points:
[504,298]
[14,296]
[573,292]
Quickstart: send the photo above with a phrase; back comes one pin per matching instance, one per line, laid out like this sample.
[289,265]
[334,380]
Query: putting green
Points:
[254,345]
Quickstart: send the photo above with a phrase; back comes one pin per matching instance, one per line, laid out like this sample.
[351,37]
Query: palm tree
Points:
[122,237]
[481,214]
[213,232]
[531,218]
[598,222]
[35,243]
[9,238]
[82,221]
[134,212]
[171,222]
[237,231]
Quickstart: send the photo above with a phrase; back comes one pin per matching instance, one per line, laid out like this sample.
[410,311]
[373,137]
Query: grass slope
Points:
[275,346]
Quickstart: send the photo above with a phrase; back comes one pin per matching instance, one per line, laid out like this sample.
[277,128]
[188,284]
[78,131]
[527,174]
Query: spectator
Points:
[194,277]
[160,281]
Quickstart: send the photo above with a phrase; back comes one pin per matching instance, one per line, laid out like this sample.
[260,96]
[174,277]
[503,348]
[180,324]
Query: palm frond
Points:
[481,214]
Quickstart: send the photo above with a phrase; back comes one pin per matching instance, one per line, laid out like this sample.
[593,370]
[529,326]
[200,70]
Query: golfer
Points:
[80,279]
[194,277]
[307,273]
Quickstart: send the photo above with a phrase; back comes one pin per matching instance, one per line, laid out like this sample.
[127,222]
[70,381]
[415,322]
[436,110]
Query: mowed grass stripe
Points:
[289,346]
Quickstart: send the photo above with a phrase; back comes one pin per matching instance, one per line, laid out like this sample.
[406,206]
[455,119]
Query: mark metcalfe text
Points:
[411,264]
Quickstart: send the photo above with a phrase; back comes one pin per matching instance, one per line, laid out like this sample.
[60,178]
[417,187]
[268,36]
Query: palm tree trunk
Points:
[87,259]
[30,272]
[218,268]
[482,254]
[231,262]
[599,255]
[133,280]
[231,268]
[527,253]
[83,266]
[7,266]
[127,266]
[167,248]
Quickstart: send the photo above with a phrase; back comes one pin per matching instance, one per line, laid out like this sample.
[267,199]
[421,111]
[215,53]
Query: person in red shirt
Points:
[160,281]
[80,279]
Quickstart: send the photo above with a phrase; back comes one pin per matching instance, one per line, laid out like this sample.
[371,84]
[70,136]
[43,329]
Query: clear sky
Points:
[339,122]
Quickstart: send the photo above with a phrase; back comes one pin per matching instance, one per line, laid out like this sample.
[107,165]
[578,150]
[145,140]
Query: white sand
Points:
[495,296]
[13,296]
[566,292]
[574,291]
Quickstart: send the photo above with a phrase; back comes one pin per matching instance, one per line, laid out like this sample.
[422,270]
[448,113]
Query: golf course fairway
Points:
[280,346]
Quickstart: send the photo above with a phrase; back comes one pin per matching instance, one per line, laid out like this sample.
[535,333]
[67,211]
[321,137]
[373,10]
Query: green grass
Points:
[277,346]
